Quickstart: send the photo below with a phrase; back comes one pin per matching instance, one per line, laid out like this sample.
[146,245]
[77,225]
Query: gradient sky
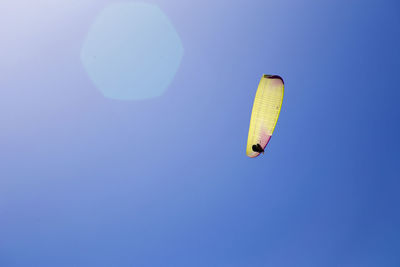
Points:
[86,180]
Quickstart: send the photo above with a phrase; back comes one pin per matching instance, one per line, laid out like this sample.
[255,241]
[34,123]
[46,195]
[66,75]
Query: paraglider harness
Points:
[258,148]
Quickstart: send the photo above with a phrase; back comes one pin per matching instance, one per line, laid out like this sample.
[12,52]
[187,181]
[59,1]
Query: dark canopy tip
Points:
[274,77]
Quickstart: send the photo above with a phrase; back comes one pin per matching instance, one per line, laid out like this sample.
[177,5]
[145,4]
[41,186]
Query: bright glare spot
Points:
[132,51]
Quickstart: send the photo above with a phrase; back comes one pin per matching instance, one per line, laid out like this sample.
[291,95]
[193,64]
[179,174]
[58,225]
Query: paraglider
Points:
[266,108]
[258,148]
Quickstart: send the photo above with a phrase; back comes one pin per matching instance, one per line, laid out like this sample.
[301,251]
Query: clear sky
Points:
[92,176]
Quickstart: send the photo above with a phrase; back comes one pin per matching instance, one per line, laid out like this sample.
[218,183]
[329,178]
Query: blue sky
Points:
[87,180]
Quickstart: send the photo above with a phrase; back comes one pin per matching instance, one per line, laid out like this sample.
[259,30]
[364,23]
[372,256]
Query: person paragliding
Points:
[266,108]
[258,148]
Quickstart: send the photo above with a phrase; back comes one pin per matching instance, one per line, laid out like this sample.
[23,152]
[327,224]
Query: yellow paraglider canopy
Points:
[266,108]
